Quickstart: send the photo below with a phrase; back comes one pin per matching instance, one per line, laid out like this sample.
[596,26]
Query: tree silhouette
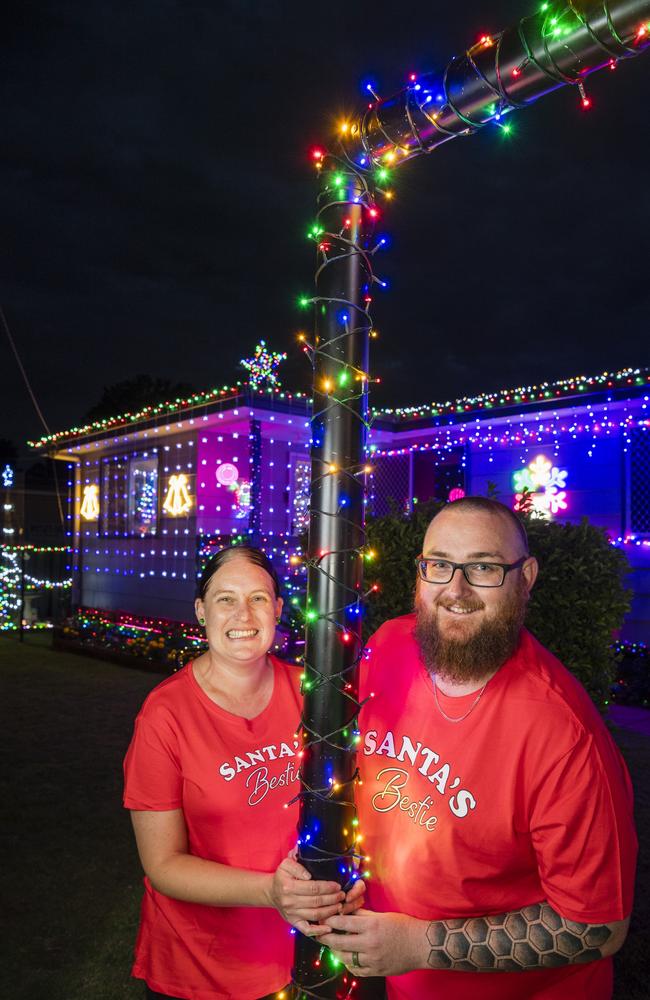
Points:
[133,394]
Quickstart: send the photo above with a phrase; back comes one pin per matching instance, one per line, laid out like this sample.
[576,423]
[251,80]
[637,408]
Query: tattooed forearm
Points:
[532,938]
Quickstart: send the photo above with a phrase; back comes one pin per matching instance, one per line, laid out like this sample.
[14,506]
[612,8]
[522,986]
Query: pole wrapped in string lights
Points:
[560,44]
[344,232]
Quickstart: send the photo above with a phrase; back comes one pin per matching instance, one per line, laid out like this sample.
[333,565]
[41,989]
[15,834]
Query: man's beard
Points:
[464,660]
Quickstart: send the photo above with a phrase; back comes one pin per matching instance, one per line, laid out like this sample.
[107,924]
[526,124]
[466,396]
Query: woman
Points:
[211,766]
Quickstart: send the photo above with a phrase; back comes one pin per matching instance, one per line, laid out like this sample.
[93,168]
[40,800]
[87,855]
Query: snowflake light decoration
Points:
[262,367]
[545,484]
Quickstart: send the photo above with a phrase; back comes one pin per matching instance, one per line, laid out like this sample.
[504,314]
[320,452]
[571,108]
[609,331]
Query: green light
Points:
[544,7]
[383,174]
[311,616]
[339,179]
[343,378]
[304,302]
[355,822]
[506,129]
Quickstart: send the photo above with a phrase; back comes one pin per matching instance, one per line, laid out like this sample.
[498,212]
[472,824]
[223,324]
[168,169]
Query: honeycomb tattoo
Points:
[532,938]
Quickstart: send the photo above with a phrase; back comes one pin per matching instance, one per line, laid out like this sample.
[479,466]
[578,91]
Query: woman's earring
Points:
[201,621]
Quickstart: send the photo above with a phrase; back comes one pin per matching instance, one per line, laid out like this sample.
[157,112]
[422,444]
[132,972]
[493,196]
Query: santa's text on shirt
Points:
[395,779]
[258,780]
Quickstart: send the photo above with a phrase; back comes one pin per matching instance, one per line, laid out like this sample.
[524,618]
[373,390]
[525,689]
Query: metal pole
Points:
[344,235]
[560,45]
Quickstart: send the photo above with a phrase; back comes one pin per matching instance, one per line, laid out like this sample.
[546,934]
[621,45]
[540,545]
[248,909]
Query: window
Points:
[143,496]
[639,520]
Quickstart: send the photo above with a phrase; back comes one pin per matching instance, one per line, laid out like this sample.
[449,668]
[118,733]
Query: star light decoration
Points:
[262,367]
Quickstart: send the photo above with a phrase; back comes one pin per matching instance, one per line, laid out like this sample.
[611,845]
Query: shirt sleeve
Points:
[583,834]
[152,773]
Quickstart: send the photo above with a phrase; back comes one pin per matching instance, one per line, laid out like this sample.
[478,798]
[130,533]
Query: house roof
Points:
[563,391]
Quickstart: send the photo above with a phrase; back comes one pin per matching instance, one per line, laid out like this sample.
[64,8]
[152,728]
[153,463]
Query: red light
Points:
[516,71]
[373,213]
[375,588]
[412,77]
[317,154]
[347,222]
[643,30]
[346,637]
[586,102]
[612,64]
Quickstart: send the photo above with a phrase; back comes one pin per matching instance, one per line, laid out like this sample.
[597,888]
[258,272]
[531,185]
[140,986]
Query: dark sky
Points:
[155,193]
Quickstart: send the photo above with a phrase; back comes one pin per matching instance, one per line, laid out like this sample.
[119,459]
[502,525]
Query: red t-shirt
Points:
[526,799]
[232,778]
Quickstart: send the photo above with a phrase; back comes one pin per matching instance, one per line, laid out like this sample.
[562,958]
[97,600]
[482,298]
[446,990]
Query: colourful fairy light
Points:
[263,366]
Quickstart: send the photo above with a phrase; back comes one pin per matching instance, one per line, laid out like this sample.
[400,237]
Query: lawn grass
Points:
[71,877]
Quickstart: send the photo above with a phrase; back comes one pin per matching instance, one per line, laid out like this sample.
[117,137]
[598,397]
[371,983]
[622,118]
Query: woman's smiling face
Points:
[240,611]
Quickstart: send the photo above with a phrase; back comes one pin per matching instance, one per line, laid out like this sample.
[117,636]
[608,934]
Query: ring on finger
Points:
[355,959]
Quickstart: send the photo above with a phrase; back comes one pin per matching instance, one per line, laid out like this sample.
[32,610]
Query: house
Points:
[151,494]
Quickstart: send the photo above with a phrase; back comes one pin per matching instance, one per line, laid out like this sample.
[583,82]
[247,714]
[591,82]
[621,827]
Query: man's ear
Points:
[529,572]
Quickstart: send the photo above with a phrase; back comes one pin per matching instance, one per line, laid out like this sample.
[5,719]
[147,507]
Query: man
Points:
[495,808]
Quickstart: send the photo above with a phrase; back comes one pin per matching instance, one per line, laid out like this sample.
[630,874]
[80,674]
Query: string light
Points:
[14,581]
[262,368]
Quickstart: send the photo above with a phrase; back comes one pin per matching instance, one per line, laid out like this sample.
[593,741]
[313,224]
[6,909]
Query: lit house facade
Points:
[152,494]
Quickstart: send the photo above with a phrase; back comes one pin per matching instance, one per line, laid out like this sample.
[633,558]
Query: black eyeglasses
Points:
[477,574]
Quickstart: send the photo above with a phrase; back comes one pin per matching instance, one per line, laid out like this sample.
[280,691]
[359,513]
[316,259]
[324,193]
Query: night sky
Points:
[156,189]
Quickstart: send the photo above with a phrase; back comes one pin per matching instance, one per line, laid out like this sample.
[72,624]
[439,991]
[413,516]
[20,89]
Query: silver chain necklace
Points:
[471,708]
